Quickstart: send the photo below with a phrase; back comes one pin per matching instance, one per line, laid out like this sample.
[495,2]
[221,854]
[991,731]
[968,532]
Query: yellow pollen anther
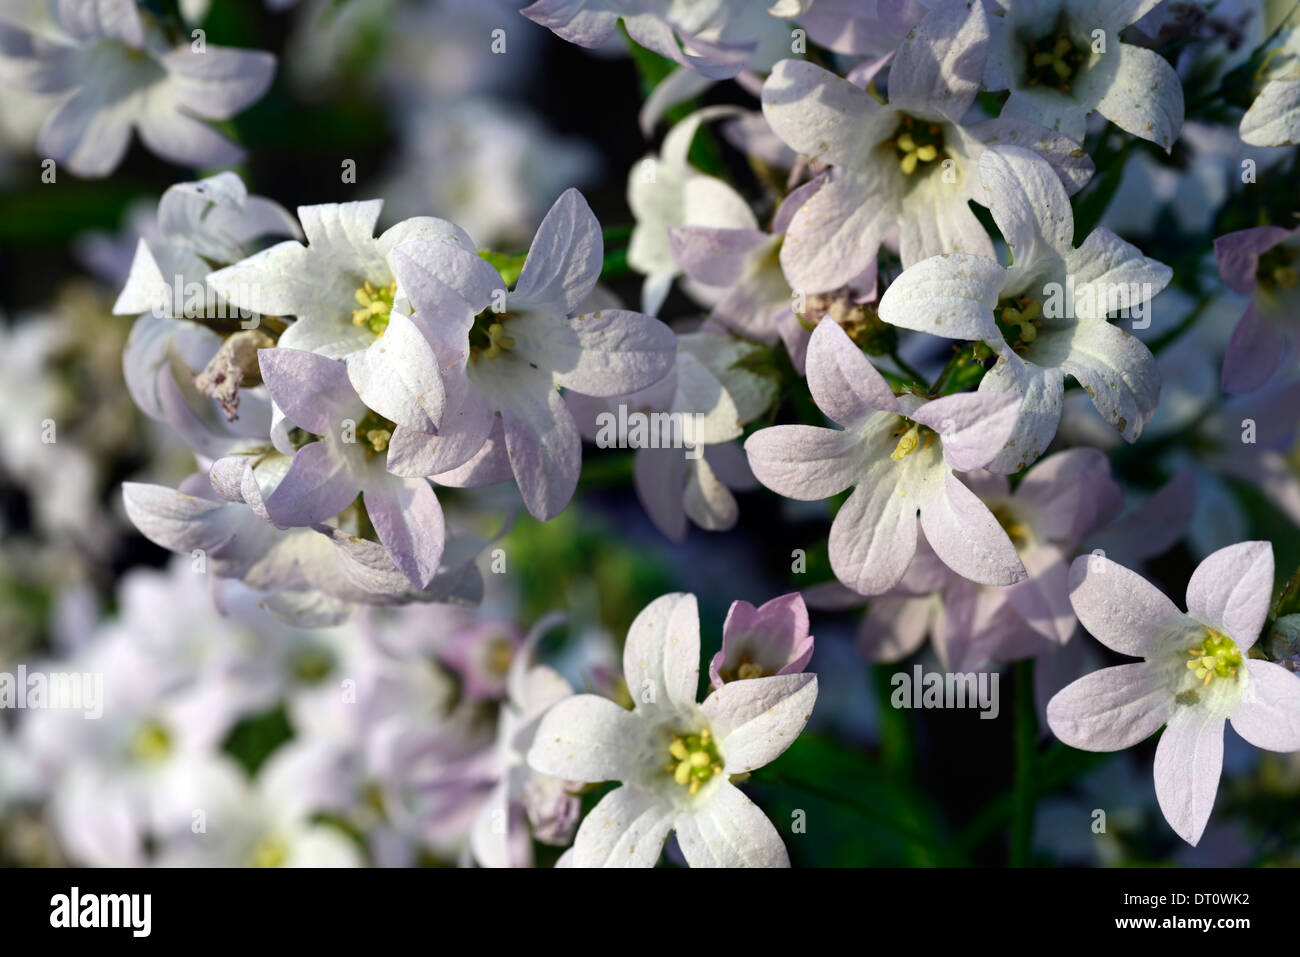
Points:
[907,444]
[1217,657]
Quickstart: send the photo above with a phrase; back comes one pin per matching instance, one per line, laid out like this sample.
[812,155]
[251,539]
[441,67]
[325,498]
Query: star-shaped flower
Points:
[1195,675]
[898,453]
[1045,314]
[673,756]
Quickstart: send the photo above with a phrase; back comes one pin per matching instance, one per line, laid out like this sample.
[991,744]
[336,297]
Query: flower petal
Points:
[1268,714]
[1113,708]
[661,659]
[756,719]
[730,830]
[1189,759]
[586,738]
[950,295]
[1121,609]
[1230,591]
[627,828]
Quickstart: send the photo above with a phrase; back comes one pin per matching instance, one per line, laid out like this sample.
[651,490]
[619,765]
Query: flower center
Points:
[487,337]
[1217,656]
[1052,61]
[376,431]
[911,436]
[747,668]
[376,306]
[311,665]
[918,143]
[1277,269]
[695,759]
[269,851]
[152,742]
[1019,320]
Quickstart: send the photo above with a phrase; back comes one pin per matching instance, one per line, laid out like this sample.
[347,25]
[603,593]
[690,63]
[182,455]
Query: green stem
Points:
[897,745]
[908,370]
[1023,796]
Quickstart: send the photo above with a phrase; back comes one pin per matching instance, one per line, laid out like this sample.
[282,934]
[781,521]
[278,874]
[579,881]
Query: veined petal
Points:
[661,658]
[940,63]
[805,462]
[586,738]
[756,719]
[873,537]
[408,520]
[1113,708]
[1268,714]
[729,830]
[1230,591]
[627,828]
[950,295]
[1189,759]
[1123,610]
[965,535]
[564,260]
[844,383]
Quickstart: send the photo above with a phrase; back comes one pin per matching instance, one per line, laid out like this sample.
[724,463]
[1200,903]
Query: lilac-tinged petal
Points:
[1254,352]
[1043,599]
[1121,609]
[313,392]
[835,235]
[414,454]
[564,260]
[627,828]
[820,114]
[570,20]
[1230,591]
[586,738]
[940,63]
[774,636]
[427,271]
[1042,395]
[757,719]
[729,830]
[963,532]
[804,462]
[1274,118]
[1189,760]
[713,255]
[1268,714]
[1238,254]
[894,627]
[973,426]
[873,537]
[1113,708]
[408,521]
[1072,493]
[951,295]
[661,658]
[606,353]
[660,476]
[318,485]
[842,380]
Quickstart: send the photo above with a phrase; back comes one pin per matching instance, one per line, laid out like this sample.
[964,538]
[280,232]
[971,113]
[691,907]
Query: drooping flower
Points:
[505,355]
[115,68]
[1262,262]
[908,164]
[898,453]
[1063,59]
[1195,675]
[771,639]
[1045,314]
[673,756]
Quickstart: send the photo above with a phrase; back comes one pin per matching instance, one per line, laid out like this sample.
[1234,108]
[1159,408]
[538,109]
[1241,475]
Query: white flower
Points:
[116,68]
[1063,59]
[672,755]
[1046,314]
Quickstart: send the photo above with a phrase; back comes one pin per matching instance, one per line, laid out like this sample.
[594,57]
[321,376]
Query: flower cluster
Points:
[900,274]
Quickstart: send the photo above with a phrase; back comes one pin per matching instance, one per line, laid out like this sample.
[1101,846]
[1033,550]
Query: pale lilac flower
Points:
[672,755]
[1274,117]
[898,453]
[347,460]
[521,796]
[481,656]
[1063,59]
[683,429]
[855,28]
[506,355]
[665,192]
[1046,313]
[771,639]
[116,69]
[1195,675]
[1262,262]
[743,264]
[909,164]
